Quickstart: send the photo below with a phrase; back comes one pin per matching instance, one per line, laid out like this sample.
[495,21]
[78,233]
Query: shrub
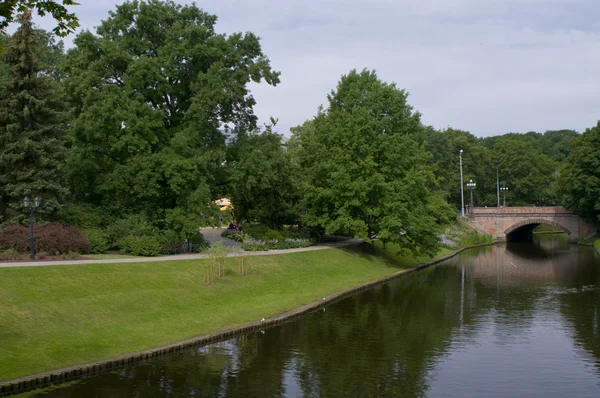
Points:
[146,245]
[83,216]
[98,240]
[48,238]
[262,232]
[135,225]
[261,245]
[11,254]
[238,236]
[58,238]
[69,256]
[14,237]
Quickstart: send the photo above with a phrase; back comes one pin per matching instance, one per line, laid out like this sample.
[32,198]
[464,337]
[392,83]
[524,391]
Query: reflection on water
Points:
[520,320]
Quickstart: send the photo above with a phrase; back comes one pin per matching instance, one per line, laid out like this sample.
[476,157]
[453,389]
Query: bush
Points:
[238,236]
[146,245]
[262,232]
[11,254]
[50,238]
[98,240]
[134,225]
[83,216]
[14,237]
[58,238]
[261,245]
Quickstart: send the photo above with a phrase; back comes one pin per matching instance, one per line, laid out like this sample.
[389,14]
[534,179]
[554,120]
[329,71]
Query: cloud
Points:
[488,66]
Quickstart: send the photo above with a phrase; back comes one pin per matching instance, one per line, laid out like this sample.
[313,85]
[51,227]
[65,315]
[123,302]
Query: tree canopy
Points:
[155,94]
[580,176]
[366,170]
[66,22]
[31,125]
[149,119]
[260,179]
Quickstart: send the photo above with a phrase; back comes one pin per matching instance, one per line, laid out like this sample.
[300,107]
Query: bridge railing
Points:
[546,210]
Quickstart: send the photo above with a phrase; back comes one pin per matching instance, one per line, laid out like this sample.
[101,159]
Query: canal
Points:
[498,321]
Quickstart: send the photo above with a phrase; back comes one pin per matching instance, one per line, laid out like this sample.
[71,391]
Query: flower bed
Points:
[252,244]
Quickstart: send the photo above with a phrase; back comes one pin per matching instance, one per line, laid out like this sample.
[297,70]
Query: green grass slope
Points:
[57,316]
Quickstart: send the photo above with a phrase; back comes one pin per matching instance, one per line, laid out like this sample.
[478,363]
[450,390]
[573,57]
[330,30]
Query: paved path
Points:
[178,257]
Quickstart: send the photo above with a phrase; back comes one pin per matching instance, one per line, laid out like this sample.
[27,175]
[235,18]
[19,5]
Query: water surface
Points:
[500,321]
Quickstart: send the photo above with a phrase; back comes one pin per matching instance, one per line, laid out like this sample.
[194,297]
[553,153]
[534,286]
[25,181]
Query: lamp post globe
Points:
[471,185]
[504,190]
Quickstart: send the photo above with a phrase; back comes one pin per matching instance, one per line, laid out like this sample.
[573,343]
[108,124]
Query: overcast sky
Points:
[486,66]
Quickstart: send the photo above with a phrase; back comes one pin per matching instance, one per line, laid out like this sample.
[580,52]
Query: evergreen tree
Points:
[30,125]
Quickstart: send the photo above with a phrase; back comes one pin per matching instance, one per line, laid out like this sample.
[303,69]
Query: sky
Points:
[486,66]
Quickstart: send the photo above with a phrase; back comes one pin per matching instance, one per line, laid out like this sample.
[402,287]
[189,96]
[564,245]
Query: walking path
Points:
[178,257]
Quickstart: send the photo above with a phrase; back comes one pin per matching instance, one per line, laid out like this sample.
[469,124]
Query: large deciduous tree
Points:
[66,21]
[580,176]
[529,175]
[366,170]
[154,93]
[31,124]
[261,180]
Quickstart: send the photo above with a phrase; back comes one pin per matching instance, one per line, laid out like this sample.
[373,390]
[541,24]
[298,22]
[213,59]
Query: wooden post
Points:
[241,266]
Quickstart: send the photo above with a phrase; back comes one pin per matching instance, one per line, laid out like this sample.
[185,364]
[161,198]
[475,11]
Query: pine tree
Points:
[31,116]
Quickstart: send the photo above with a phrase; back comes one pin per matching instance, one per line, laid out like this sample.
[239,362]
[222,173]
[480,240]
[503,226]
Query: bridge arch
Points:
[526,227]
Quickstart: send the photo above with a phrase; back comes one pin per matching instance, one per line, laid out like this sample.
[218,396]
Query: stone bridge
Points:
[517,223]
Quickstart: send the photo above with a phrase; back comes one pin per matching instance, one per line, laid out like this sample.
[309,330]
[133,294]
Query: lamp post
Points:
[471,185]
[462,196]
[32,207]
[497,183]
[504,190]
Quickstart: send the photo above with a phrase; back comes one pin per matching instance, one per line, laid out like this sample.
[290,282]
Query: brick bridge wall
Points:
[500,222]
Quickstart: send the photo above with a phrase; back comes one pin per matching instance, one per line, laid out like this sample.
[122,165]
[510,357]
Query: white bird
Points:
[262,320]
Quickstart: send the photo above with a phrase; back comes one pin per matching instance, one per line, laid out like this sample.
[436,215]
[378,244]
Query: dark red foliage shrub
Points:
[14,237]
[55,237]
[49,238]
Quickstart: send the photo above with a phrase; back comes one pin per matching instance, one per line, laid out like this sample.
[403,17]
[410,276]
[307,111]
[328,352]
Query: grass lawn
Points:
[57,316]
[543,228]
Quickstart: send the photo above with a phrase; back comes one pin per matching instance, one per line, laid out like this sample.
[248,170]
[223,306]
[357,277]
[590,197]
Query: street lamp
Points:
[471,185]
[497,183]
[32,207]
[462,196]
[504,190]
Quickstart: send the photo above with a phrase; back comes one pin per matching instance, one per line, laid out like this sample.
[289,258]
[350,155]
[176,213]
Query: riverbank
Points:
[58,316]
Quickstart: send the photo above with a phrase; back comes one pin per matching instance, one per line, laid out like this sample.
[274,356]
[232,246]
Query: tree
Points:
[260,180]
[528,174]
[476,160]
[366,171]
[31,125]
[66,22]
[156,94]
[580,176]
[49,53]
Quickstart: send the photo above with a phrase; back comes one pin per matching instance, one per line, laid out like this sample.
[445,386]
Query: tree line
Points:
[145,122]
